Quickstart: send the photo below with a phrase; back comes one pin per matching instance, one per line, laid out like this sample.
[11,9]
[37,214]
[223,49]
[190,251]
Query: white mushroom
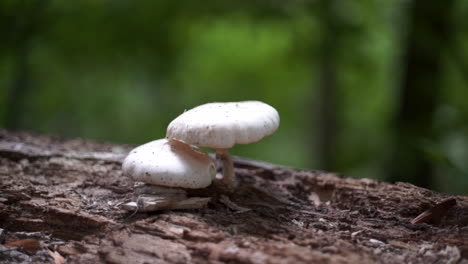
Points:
[170,163]
[222,125]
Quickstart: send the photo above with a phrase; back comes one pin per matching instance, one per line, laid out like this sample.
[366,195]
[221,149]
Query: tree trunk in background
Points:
[428,26]
[327,123]
[23,26]
[19,87]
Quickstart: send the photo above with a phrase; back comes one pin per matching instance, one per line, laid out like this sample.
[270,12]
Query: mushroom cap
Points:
[170,163]
[222,125]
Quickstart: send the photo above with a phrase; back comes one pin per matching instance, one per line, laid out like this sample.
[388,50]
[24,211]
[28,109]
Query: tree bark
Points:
[66,195]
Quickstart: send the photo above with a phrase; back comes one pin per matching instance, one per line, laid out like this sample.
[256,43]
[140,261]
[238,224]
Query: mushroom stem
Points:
[229,178]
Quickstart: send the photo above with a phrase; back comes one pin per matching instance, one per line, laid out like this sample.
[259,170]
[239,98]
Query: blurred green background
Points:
[371,88]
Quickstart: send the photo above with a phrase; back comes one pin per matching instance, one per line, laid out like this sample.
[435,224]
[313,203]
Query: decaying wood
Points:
[150,198]
[68,194]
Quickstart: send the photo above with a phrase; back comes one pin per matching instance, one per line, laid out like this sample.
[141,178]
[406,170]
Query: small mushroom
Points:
[167,167]
[170,163]
[222,125]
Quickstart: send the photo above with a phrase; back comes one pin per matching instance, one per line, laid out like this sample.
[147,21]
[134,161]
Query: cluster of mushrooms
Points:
[167,167]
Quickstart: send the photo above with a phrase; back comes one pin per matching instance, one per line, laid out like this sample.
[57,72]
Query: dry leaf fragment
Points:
[30,246]
[435,213]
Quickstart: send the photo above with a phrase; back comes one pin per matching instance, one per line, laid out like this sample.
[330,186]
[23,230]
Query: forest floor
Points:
[60,203]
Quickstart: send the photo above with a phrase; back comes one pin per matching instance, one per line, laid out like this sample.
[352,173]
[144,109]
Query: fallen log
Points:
[63,198]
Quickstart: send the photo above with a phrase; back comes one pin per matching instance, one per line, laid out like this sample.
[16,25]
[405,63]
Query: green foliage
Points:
[122,70]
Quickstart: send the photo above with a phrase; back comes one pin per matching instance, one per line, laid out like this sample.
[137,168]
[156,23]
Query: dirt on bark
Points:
[61,198]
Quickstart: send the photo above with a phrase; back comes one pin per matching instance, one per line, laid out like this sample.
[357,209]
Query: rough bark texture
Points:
[66,195]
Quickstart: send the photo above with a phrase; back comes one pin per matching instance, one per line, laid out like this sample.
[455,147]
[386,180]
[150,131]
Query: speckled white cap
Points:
[222,125]
[170,163]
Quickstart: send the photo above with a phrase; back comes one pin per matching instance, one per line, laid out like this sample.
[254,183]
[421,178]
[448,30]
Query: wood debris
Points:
[30,246]
[434,214]
[153,198]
